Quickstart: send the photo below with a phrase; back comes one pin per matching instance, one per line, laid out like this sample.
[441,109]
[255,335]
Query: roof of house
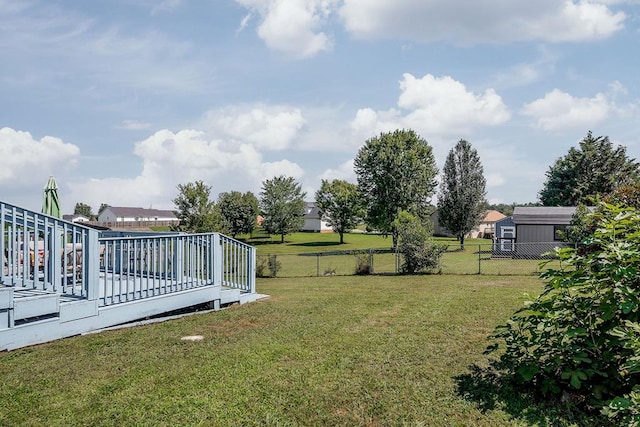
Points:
[311,210]
[120,211]
[550,215]
[493,216]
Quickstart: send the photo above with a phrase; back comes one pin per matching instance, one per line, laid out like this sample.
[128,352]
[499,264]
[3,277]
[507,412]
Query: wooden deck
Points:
[74,281]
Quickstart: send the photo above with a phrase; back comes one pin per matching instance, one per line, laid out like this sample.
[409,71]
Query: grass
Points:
[297,256]
[373,351]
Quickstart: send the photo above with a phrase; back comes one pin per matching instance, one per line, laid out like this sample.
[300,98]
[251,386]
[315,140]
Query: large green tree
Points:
[340,205]
[461,200]
[282,205]
[238,212]
[84,210]
[594,168]
[396,171]
[195,210]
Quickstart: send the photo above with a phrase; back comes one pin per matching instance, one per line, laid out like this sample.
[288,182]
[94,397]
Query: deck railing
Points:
[45,253]
[42,252]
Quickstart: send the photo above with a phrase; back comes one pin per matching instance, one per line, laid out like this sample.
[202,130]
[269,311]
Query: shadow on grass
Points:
[489,390]
[315,244]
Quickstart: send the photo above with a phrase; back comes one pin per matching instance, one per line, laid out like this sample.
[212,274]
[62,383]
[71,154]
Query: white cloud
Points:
[559,111]
[266,127]
[26,161]
[344,172]
[491,21]
[434,107]
[166,6]
[293,26]
[170,159]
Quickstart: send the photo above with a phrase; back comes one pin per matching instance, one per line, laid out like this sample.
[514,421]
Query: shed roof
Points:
[549,215]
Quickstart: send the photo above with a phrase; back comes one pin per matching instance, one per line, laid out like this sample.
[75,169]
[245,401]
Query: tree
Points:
[340,204]
[103,206]
[594,168]
[84,210]
[282,205]
[238,212]
[396,171]
[461,202]
[415,243]
[196,212]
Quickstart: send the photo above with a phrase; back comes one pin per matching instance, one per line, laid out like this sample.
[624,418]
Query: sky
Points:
[123,100]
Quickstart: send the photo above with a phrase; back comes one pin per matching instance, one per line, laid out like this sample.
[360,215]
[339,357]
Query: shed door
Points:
[508,234]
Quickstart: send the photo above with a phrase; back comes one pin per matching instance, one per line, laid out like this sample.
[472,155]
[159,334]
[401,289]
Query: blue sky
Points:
[122,101]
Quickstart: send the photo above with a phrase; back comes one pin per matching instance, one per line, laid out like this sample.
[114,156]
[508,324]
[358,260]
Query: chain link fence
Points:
[515,259]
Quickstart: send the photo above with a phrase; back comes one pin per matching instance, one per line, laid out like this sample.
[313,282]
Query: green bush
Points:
[415,243]
[581,337]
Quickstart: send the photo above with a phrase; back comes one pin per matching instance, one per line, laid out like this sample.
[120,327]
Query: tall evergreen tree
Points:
[282,205]
[396,171]
[594,168]
[461,200]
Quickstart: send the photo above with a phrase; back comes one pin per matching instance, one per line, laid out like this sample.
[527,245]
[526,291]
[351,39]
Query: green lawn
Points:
[297,256]
[332,351]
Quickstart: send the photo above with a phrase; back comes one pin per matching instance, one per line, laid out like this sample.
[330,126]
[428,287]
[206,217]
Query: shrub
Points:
[363,263]
[415,243]
[270,263]
[581,336]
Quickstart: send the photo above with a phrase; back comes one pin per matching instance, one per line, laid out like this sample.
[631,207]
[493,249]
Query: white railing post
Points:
[218,259]
[57,253]
[91,259]
[252,269]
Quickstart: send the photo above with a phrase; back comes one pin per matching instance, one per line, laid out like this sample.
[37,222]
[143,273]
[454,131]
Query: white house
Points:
[76,218]
[115,214]
[313,221]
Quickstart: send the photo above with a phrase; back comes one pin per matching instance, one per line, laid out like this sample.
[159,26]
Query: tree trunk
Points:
[461,238]
[281,237]
[341,237]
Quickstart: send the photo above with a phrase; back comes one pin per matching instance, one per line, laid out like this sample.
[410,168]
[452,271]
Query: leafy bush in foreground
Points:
[581,337]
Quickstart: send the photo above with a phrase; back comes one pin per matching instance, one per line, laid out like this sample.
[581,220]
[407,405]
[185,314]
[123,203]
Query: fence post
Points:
[317,265]
[479,258]
[370,260]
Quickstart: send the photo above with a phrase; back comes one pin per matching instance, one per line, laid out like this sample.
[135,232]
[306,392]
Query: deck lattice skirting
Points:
[60,279]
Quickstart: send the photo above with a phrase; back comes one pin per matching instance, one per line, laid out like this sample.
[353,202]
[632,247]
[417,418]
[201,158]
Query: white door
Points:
[507,236]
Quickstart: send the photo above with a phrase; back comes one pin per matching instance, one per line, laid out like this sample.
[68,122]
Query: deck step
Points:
[35,304]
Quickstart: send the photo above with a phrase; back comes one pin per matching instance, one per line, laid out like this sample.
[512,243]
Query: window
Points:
[558,231]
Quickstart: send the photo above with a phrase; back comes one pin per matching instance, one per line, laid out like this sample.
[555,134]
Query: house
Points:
[484,230]
[76,218]
[313,221]
[137,216]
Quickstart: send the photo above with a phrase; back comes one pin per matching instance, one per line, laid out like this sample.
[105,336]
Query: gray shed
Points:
[538,224]
[505,235]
